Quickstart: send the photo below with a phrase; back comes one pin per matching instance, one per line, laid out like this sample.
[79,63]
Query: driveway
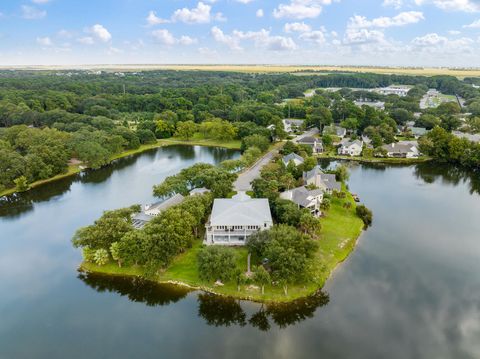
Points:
[244,180]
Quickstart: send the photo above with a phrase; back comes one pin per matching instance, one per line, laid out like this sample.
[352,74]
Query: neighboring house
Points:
[290,125]
[304,198]
[418,131]
[401,150]
[315,143]
[401,91]
[335,130]
[233,220]
[351,148]
[468,136]
[199,191]
[324,181]
[366,140]
[375,104]
[297,160]
[150,211]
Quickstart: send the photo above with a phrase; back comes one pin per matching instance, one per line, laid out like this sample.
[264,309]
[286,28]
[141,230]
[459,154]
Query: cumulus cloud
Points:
[153,19]
[453,5]
[201,14]
[86,40]
[301,9]
[259,13]
[397,4]
[165,37]
[473,25]
[402,19]
[297,27]
[356,36]
[261,39]
[436,43]
[100,33]
[317,36]
[32,13]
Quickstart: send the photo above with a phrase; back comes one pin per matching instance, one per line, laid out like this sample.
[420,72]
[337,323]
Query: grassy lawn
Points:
[387,160]
[340,231]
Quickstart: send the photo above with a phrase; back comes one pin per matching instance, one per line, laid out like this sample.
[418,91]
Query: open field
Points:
[310,69]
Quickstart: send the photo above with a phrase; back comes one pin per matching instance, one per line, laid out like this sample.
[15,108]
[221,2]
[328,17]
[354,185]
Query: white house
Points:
[325,181]
[305,198]
[297,160]
[290,125]
[315,143]
[233,220]
[379,105]
[468,136]
[402,150]
[399,90]
[351,148]
[149,211]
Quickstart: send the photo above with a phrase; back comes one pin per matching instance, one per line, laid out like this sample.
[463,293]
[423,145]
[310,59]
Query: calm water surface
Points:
[411,289]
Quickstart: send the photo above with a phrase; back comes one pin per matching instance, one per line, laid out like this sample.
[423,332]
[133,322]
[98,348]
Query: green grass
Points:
[340,230]
[386,160]
[196,141]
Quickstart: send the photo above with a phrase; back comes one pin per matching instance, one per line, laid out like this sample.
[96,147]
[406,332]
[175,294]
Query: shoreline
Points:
[336,245]
[377,160]
[75,169]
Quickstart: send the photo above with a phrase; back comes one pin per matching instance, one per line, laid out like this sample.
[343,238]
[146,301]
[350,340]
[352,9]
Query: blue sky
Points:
[324,32]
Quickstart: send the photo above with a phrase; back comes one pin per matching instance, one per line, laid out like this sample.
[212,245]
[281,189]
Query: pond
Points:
[411,289]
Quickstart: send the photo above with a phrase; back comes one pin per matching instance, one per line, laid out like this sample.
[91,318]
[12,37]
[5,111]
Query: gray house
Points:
[233,220]
[325,181]
[305,198]
[315,143]
[297,160]
[401,150]
[150,211]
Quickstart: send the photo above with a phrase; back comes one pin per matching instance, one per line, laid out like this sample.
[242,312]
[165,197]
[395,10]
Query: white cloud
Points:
[297,27]
[100,32]
[198,15]
[357,36]
[201,14]
[32,13]
[301,9]
[473,25]
[40,1]
[261,39]
[434,43]
[64,34]
[165,37]
[397,4]
[260,13]
[44,41]
[454,32]
[453,5]
[245,1]
[402,19]
[314,36]
[153,19]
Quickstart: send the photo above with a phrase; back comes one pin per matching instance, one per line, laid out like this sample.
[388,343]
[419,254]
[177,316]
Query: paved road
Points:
[244,180]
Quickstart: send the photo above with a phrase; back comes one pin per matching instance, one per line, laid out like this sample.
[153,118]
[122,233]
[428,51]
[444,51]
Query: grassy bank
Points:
[385,160]
[196,141]
[340,231]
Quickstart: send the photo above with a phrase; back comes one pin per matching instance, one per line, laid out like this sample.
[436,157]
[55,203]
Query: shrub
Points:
[365,214]
[216,262]
[101,257]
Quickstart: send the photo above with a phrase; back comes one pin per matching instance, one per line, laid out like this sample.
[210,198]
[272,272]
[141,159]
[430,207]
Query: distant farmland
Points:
[457,72]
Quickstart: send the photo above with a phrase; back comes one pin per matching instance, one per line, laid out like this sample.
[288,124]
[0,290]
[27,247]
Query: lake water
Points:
[411,289]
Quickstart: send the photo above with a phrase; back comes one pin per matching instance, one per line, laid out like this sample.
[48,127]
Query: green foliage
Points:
[217,262]
[341,173]
[88,254]
[186,130]
[101,257]
[262,277]
[21,183]
[258,141]
[365,215]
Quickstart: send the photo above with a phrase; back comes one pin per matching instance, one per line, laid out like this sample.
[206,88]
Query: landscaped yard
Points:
[340,231]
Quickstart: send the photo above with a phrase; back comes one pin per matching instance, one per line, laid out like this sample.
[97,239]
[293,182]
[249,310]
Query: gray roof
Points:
[468,136]
[294,122]
[329,181]
[240,210]
[300,195]
[308,140]
[348,143]
[166,204]
[292,157]
[398,147]
[199,191]
[418,131]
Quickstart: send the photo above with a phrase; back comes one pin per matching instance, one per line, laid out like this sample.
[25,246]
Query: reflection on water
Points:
[217,311]
[135,288]
[19,203]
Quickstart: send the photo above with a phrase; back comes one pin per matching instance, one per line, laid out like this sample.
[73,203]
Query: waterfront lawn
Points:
[386,160]
[340,230]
